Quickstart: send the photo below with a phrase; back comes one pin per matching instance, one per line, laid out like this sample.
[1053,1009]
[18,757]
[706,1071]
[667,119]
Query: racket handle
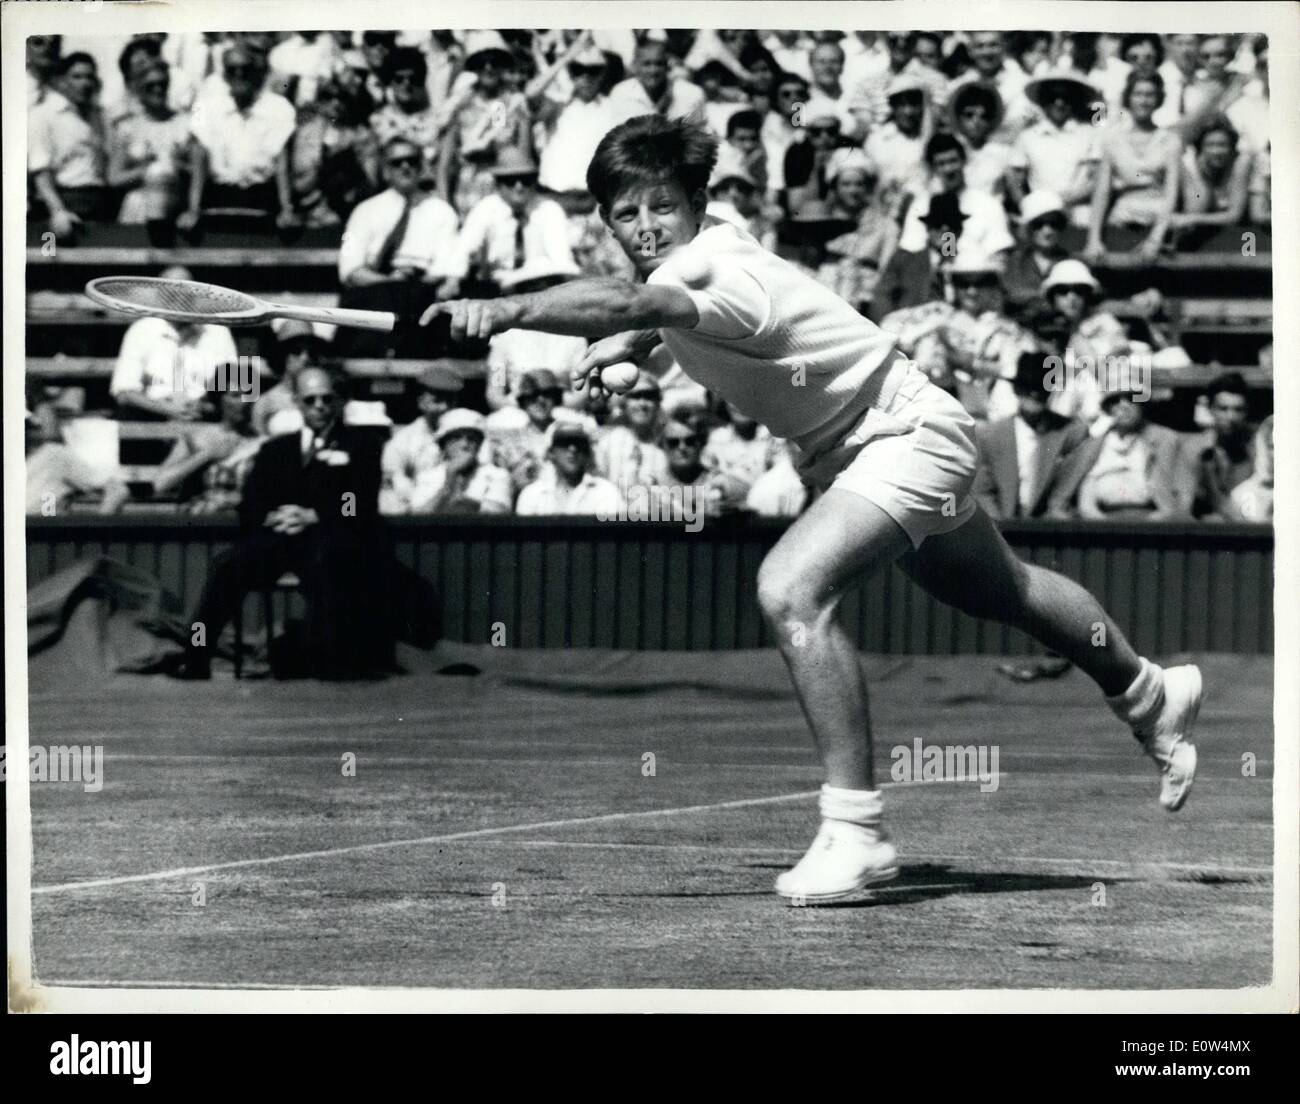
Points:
[337,316]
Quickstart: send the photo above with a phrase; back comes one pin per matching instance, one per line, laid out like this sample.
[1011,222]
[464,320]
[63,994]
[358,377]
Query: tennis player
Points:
[893,454]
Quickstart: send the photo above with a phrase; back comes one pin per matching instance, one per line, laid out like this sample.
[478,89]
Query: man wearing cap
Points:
[1096,338]
[650,89]
[412,452]
[1025,458]
[516,227]
[1042,221]
[460,482]
[984,230]
[1133,470]
[401,248]
[913,277]
[895,455]
[163,367]
[568,485]
[1060,152]
[521,448]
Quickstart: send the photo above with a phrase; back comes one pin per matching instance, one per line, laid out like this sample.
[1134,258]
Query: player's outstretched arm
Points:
[593,307]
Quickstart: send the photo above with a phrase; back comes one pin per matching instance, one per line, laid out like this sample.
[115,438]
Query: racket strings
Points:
[183,296]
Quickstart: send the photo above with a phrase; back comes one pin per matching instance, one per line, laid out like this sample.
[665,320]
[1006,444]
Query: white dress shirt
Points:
[431,241]
[549,494]
[154,360]
[242,146]
[630,99]
[489,233]
[578,130]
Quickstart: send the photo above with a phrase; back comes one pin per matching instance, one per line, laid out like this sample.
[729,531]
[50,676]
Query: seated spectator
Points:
[209,463]
[741,448]
[779,492]
[1223,455]
[828,94]
[56,473]
[735,196]
[574,127]
[489,119]
[1042,219]
[1137,174]
[412,452]
[567,485]
[520,446]
[650,90]
[301,63]
[514,353]
[310,506]
[743,146]
[984,228]
[408,113]
[239,158]
[870,96]
[460,482]
[67,149]
[1252,500]
[149,151]
[913,277]
[976,112]
[684,447]
[807,162]
[629,453]
[1133,470]
[1024,458]
[1059,153]
[722,95]
[297,346]
[1215,184]
[779,132]
[163,367]
[990,65]
[333,158]
[1096,337]
[866,249]
[515,227]
[43,56]
[400,251]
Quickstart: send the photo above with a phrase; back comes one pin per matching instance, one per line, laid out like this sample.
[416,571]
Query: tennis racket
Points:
[192,301]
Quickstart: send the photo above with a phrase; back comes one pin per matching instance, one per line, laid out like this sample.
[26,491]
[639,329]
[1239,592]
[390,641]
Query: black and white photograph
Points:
[759,503]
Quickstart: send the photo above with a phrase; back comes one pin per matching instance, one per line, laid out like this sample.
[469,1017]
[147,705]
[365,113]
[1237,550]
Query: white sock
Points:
[854,806]
[1141,701]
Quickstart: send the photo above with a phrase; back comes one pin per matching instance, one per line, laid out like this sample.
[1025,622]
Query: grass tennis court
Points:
[504,833]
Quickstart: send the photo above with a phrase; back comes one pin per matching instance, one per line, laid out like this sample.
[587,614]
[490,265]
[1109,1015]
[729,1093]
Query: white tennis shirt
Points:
[787,351]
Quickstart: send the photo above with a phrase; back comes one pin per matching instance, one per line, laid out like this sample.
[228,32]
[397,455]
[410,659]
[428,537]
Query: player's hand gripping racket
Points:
[191,301]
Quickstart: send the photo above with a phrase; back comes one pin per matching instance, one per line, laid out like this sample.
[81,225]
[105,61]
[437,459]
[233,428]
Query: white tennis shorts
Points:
[915,459]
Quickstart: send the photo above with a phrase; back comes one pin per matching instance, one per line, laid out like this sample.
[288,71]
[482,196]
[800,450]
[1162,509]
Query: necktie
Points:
[317,443]
[519,242]
[387,251]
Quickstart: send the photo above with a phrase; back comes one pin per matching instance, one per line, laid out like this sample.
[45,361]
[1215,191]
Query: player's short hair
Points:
[649,150]
[943,142]
[744,119]
[1135,78]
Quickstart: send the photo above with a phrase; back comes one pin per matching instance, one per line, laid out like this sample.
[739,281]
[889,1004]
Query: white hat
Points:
[1069,273]
[904,82]
[484,42]
[591,56]
[969,261]
[1086,92]
[459,419]
[850,160]
[1039,203]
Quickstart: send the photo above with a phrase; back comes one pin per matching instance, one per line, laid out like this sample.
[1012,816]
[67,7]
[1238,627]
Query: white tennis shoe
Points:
[1167,738]
[844,859]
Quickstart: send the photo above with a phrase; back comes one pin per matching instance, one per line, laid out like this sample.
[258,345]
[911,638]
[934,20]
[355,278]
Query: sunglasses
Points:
[516,181]
[466,435]
[411,162]
[1075,289]
[681,442]
[586,70]
[318,400]
[577,446]
[969,283]
[154,86]
[789,93]
[824,131]
[1056,222]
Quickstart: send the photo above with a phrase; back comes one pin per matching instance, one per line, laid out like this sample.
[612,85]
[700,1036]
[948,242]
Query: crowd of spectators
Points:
[956,188]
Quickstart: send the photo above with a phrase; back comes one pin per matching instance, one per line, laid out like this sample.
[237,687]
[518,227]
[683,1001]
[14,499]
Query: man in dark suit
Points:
[310,506]
[910,279]
[1023,458]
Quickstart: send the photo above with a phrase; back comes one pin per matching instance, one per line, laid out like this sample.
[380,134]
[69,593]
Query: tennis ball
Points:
[619,378]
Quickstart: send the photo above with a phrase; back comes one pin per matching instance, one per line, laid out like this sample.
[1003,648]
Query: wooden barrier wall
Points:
[576,582]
